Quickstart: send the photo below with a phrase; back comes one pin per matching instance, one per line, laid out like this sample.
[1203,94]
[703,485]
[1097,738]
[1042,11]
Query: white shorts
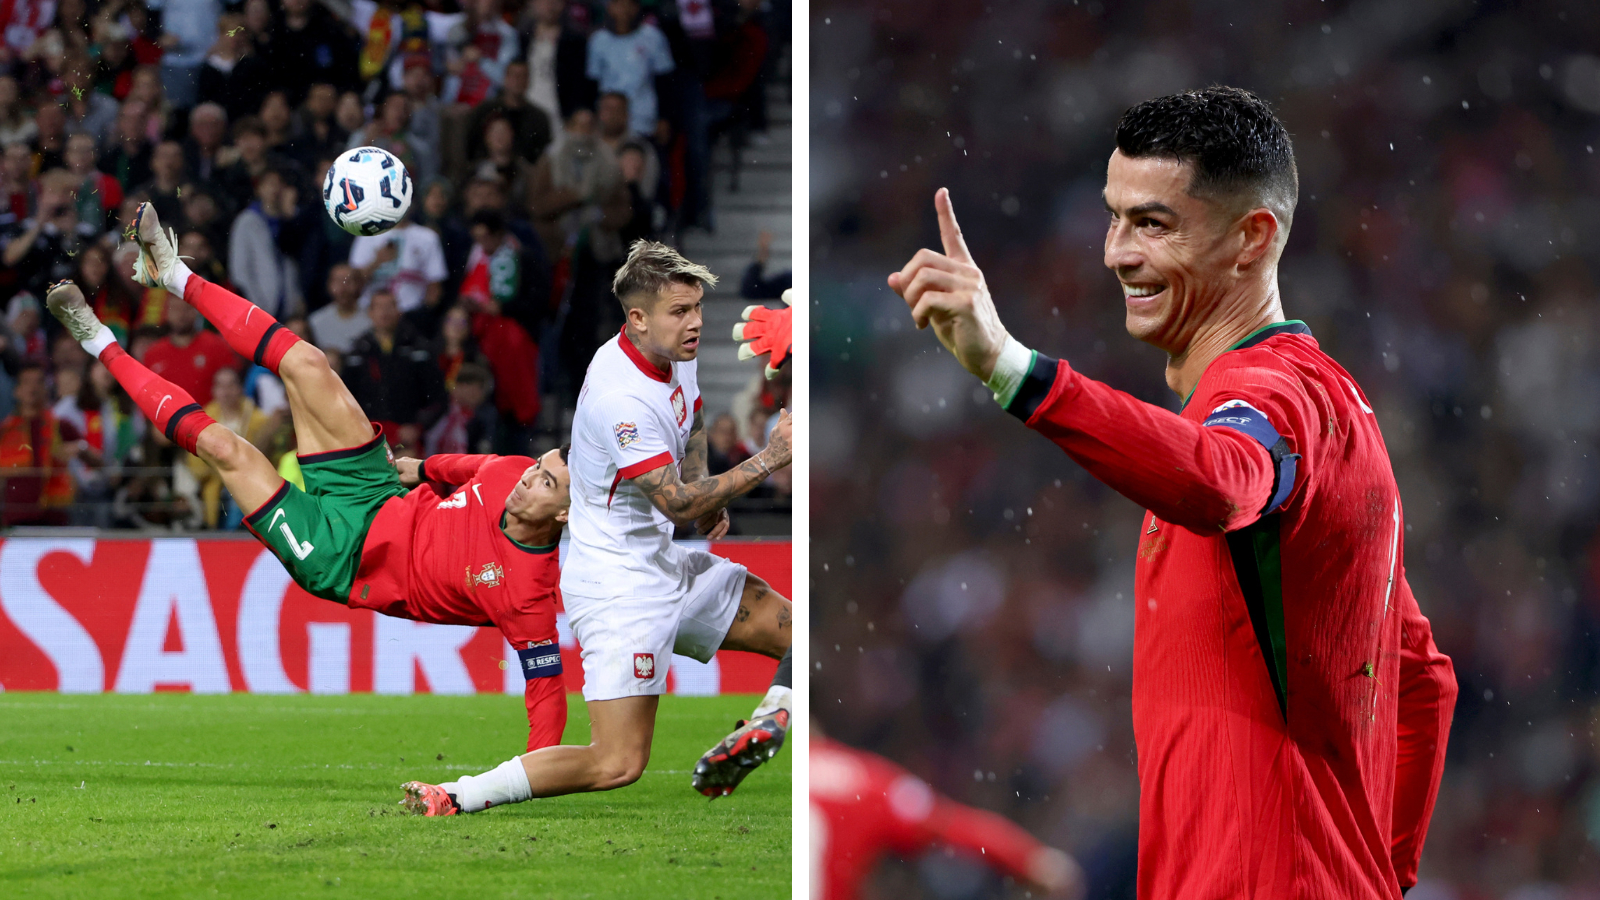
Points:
[628,642]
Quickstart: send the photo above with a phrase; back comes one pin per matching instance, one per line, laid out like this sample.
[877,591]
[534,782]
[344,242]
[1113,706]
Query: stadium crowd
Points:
[543,137]
[973,588]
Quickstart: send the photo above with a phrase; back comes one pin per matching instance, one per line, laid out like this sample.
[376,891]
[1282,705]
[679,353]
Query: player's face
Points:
[541,495]
[1169,249]
[670,327]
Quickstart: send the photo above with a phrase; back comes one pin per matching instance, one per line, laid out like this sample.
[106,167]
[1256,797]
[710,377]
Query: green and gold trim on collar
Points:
[1292,326]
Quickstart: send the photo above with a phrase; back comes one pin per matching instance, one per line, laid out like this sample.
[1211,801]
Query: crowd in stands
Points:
[543,137]
[973,586]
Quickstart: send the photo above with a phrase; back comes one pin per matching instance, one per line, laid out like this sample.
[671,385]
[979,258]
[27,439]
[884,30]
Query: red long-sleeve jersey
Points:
[1289,705]
[443,557]
[864,807]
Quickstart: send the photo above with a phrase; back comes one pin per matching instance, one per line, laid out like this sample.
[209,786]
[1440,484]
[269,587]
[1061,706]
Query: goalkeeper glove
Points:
[766,331]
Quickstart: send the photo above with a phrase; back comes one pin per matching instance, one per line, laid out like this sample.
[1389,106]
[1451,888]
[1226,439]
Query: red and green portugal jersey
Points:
[1289,705]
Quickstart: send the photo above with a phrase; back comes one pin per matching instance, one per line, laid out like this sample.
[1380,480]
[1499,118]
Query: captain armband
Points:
[540,660]
[1254,424]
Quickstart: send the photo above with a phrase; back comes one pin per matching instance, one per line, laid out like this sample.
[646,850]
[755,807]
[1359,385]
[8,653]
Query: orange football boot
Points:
[428,800]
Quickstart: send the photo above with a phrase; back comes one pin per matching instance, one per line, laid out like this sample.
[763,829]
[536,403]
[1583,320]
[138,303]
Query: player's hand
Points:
[766,331]
[1057,873]
[714,524]
[777,453]
[946,290]
[410,471]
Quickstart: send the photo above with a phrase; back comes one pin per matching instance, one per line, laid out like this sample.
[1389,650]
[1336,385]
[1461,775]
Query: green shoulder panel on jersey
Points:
[1258,564]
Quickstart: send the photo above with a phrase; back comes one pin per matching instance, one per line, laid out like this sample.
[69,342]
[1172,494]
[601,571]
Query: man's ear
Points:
[1258,233]
[637,318]
[562,516]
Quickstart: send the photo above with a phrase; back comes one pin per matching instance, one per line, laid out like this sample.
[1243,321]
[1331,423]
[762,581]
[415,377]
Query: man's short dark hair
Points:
[565,451]
[1237,145]
[650,267]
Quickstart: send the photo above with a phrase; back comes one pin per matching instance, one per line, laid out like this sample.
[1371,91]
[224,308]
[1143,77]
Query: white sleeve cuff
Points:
[1013,366]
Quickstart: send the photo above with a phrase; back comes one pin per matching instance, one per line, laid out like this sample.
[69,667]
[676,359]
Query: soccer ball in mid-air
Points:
[367,191]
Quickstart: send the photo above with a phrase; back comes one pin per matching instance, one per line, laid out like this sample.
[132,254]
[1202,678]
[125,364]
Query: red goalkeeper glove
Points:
[766,331]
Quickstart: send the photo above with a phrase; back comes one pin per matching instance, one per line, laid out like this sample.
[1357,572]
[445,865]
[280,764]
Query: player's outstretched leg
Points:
[762,626]
[326,416]
[619,748]
[248,329]
[752,743]
[248,475]
[169,406]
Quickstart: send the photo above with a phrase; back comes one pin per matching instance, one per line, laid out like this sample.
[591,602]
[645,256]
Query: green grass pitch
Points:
[172,795]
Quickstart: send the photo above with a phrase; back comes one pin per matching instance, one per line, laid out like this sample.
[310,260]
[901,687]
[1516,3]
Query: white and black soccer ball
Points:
[367,191]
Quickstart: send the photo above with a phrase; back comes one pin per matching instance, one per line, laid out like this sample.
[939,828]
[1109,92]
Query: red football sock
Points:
[169,406]
[251,333]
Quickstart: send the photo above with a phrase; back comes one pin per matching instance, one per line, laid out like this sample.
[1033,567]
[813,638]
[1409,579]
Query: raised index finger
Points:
[955,246]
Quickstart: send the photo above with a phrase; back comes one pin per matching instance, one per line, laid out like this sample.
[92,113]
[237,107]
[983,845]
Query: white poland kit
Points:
[634,597]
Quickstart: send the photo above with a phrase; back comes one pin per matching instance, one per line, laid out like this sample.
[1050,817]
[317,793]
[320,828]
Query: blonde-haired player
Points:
[633,596]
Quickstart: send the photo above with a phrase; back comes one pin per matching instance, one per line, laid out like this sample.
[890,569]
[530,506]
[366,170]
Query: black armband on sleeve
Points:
[1253,423]
[540,660]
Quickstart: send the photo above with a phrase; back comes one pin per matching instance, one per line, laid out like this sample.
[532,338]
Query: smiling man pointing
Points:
[1290,707]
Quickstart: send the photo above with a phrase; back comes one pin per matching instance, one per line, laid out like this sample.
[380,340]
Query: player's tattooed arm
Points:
[694,465]
[685,503]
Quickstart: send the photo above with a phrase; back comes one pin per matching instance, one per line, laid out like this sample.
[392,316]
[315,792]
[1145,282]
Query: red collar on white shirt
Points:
[646,366]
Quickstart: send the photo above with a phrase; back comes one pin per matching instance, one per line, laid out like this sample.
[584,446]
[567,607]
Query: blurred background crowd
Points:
[543,137]
[972,586]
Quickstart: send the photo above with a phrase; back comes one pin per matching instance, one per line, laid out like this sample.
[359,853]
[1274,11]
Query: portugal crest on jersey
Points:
[627,434]
[491,575]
